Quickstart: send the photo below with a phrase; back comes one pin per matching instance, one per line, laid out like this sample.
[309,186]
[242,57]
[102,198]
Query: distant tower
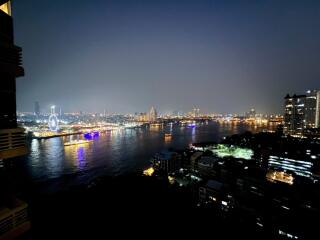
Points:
[53,109]
[37,109]
[317,124]
[252,113]
[311,110]
[196,112]
[153,114]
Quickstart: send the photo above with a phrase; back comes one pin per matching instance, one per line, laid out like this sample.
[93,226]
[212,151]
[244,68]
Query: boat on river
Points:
[77,142]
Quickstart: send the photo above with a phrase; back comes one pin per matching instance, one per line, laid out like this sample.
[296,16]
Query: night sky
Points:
[125,56]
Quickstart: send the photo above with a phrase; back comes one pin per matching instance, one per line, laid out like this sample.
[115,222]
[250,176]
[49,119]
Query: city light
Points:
[148,172]
[222,151]
[6,7]
[171,180]
[274,176]
[177,112]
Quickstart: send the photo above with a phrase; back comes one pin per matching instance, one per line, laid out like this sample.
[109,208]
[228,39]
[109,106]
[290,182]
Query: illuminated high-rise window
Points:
[6,7]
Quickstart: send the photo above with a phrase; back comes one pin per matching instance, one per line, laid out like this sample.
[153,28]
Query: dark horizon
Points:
[125,56]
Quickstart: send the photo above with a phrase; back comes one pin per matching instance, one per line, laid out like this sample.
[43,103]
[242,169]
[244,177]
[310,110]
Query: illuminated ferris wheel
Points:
[53,121]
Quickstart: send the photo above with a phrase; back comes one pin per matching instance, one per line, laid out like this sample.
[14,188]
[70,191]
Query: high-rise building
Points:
[196,112]
[310,109]
[251,113]
[294,114]
[13,212]
[153,114]
[142,117]
[318,110]
[12,138]
[37,108]
[53,109]
[302,112]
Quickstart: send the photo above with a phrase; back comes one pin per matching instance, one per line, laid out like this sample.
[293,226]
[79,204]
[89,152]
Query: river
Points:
[113,153]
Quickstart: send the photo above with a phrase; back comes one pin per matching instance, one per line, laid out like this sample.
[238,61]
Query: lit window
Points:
[212,198]
[6,7]
[224,203]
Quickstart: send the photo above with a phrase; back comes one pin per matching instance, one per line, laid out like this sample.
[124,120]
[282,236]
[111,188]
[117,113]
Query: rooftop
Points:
[165,155]
[214,185]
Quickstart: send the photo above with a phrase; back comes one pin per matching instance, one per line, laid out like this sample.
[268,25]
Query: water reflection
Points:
[118,152]
[193,134]
[81,158]
[35,151]
[76,156]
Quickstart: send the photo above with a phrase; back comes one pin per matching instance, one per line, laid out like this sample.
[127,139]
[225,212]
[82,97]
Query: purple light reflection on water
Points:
[81,157]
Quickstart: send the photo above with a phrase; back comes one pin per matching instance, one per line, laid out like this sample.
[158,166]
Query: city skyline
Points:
[127,55]
[193,109]
[46,109]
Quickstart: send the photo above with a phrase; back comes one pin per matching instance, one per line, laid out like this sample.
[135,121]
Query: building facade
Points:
[310,109]
[318,110]
[142,117]
[13,212]
[301,112]
[12,138]
[294,113]
[167,161]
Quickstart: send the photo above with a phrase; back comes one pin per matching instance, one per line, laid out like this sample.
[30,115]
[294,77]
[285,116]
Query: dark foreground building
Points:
[12,142]
[13,212]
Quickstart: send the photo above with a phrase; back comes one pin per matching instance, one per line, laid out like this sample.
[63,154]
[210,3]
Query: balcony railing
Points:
[12,143]
[14,220]
[11,60]
[11,54]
